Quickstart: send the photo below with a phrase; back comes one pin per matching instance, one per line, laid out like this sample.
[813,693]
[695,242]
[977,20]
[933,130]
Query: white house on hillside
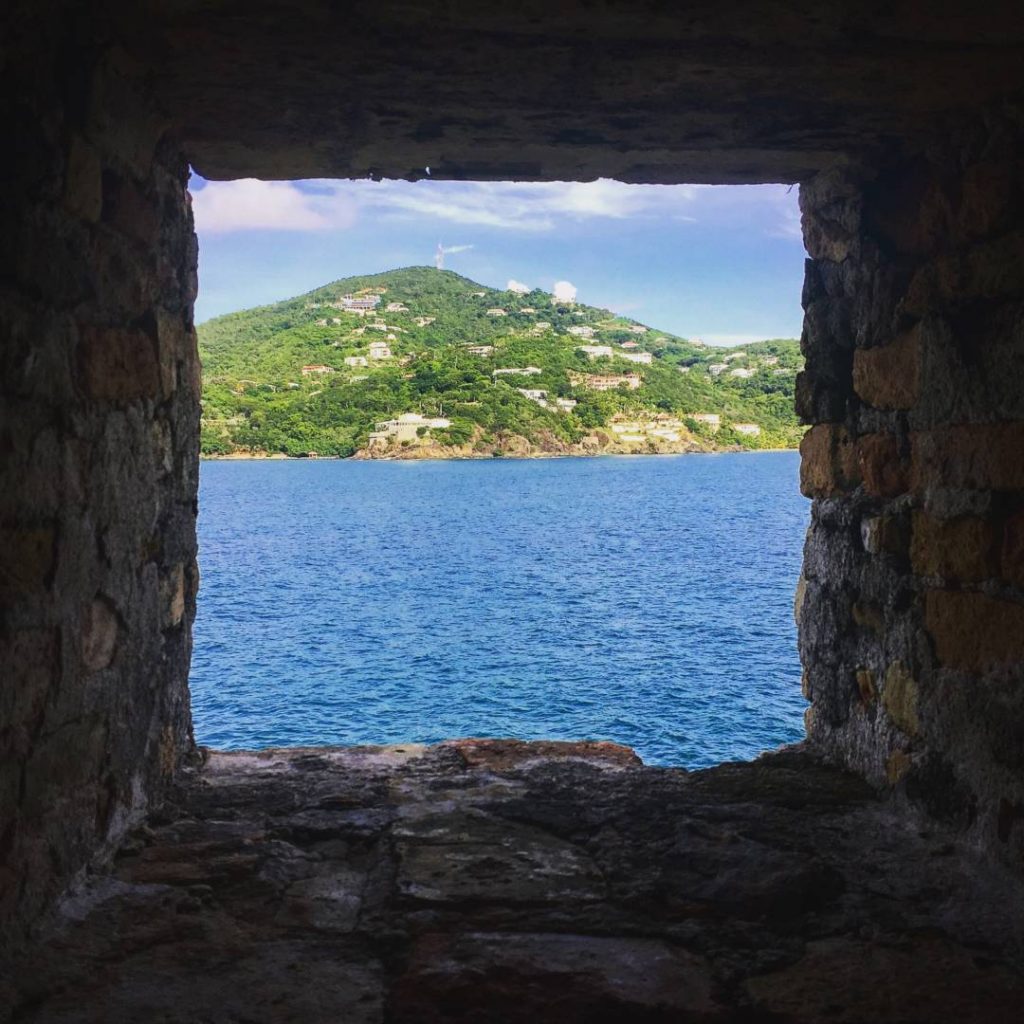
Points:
[594,351]
[406,427]
[359,302]
[709,419]
[538,395]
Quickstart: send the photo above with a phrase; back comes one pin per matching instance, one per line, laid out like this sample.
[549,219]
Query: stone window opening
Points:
[874,871]
[239,703]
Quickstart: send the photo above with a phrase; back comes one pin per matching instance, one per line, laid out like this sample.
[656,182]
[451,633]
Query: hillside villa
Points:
[313,368]
[581,331]
[358,303]
[750,429]
[710,419]
[480,350]
[661,427]
[605,381]
[637,357]
[406,427]
[537,395]
[379,350]
[594,351]
[522,371]
[356,361]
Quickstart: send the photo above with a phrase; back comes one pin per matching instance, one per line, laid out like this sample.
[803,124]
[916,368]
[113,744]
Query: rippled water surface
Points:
[642,600]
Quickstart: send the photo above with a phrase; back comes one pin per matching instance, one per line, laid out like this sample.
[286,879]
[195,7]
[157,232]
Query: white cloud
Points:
[564,291]
[523,206]
[456,248]
[251,205]
[319,205]
[536,207]
[517,286]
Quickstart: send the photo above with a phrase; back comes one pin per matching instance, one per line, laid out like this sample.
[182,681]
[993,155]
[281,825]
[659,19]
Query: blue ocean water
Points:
[642,600]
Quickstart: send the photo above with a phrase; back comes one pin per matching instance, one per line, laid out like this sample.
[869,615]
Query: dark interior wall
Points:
[911,625]
[99,407]
[912,603]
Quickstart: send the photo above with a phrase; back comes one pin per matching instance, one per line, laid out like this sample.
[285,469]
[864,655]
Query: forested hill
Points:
[365,356]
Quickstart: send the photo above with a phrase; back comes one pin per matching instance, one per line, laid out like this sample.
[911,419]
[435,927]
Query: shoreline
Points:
[278,457]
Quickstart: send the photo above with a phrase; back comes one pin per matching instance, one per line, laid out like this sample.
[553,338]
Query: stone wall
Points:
[913,597]
[99,400]
[911,608]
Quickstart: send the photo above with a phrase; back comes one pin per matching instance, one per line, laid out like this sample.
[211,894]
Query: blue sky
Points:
[719,262]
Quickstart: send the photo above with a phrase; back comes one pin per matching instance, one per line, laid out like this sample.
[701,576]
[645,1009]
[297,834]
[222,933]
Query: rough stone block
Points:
[956,549]
[900,698]
[888,377]
[30,668]
[882,467]
[828,462]
[984,456]
[172,337]
[897,765]
[868,616]
[883,535]
[27,556]
[1011,561]
[119,364]
[127,209]
[866,686]
[100,629]
[973,632]
[172,597]
[909,211]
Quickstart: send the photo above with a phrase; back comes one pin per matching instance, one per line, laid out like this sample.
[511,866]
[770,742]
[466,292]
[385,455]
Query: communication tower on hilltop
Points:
[439,257]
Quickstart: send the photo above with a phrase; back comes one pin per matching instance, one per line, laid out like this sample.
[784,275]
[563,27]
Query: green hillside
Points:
[276,380]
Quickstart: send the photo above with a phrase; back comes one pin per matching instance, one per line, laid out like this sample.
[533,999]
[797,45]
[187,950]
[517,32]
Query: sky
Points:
[719,262]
